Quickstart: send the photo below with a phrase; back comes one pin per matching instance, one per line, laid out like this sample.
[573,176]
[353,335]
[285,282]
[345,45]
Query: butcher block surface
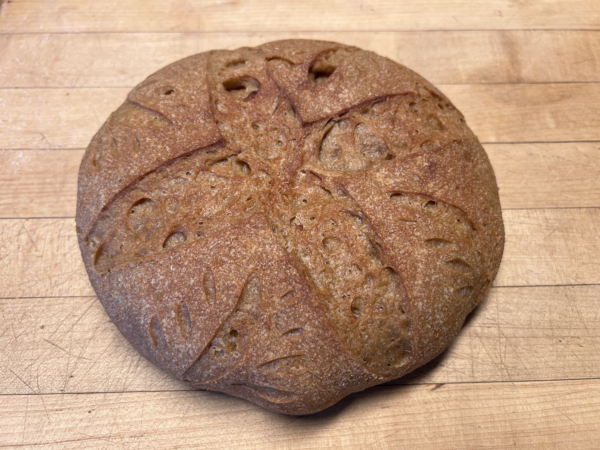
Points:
[525,370]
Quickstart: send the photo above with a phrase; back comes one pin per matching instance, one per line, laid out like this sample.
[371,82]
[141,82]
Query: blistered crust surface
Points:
[288,223]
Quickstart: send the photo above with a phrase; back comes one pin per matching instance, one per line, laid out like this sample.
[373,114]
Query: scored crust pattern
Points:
[288,223]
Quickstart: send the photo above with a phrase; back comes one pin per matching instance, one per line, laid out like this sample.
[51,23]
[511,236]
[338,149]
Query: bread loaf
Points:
[289,223]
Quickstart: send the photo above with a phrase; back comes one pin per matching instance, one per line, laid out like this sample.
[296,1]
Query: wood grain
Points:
[453,57]
[522,415]
[550,247]
[38,183]
[54,118]
[68,118]
[68,344]
[30,16]
[41,183]
[547,175]
[529,112]
[40,257]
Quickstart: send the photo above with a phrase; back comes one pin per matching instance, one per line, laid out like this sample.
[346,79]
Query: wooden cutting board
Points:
[525,370]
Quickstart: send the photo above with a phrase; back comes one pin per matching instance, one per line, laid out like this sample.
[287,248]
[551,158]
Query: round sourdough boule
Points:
[289,223]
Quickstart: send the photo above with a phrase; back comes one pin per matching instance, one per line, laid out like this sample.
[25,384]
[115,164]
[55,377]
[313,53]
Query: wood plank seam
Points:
[520,142]
[503,209]
[11,149]
[551,207]
[545,285]
[513,83]
[508,83]
[377,386]
[48,297]
[524,286]
[240,31]
[388,385]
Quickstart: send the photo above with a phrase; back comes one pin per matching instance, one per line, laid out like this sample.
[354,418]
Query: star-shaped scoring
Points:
[366,203]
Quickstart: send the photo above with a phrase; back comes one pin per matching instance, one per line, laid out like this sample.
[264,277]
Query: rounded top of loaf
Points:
[288,223]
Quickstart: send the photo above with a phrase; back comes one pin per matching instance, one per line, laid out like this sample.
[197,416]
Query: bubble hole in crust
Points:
[302,179]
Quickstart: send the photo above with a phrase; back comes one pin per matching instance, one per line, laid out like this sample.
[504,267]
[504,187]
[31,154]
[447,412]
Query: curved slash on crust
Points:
[184,321]
[111,228]
[225,341]
[295,363]
[269,393]
[152,111]
[157,336]
[425,276]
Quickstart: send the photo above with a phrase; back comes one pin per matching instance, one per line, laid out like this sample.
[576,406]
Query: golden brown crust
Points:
[289,223]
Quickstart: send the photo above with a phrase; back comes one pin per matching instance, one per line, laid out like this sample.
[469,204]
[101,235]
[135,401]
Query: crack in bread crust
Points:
[364,182]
